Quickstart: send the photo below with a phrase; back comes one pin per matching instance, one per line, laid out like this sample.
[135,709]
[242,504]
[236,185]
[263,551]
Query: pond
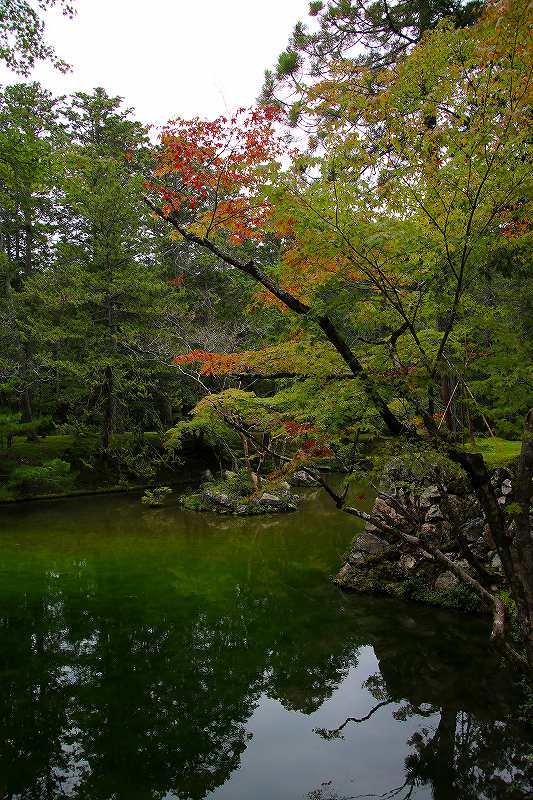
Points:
[160,654]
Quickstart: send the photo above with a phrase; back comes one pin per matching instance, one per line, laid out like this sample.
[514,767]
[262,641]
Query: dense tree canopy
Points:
[396,237]
[365,276]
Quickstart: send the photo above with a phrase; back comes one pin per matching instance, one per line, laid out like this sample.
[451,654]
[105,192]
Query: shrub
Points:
[156,497]
[52,476]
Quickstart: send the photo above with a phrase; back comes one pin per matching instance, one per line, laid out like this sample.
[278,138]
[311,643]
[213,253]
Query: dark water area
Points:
[154,654]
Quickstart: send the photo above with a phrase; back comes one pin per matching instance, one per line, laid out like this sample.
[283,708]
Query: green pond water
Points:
[159,654]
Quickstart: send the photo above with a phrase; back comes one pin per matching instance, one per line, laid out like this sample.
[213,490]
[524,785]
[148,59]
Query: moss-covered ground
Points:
[495,451]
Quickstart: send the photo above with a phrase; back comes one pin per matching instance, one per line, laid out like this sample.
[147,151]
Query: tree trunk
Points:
[27,411]
[523,538]
[251,474]
[109,408]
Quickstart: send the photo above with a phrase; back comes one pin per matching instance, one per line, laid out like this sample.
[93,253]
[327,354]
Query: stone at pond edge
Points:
[211,497]
[303,479]
[374,565]
[446,580]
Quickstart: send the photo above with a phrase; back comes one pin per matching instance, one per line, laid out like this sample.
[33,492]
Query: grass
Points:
[495,451]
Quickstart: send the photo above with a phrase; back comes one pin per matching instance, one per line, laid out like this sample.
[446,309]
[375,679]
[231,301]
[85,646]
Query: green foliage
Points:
[11,426]
[132,457]
[460,597]
[156,497]
[287,63]
[22,29]
[53,476]
[235,484]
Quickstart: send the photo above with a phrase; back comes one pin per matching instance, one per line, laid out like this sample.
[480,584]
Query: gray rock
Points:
[277,503]
[357,559]
[434,514]
[407,563]
[507,487]
[302,478]
[369,528]
[454,505]
[446,580]
[430,496]
[219,498]
[499,476]
[496,563]
[381,506]
[368,543]
[473,529]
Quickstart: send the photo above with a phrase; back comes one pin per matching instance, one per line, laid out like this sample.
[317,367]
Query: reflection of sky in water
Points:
[163,656]
[287,758]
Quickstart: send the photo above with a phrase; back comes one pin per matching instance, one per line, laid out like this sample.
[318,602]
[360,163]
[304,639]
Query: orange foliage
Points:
[213,168]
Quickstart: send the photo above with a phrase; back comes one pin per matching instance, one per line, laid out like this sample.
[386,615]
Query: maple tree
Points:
[386,236]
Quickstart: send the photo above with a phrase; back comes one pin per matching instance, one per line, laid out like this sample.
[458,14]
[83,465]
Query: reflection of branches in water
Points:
[391,794]
[335,733]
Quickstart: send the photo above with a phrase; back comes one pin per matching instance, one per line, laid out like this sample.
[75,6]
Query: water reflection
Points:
[191,658]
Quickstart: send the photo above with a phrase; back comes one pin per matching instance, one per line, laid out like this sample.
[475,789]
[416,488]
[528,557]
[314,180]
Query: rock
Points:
[344,575]
[227,474]
[455,506]
[496,563]
[430,496]
[302,478]
[266,497]
[407,563]
[366,542]
[429,531]
[434,514]
[372,529]
[357,559]
[473,529]
[277,503]
[382,507]
[219,498]
[285,487]
[377,566]
[507,487]
[500,475]
[207,475]
[446,580]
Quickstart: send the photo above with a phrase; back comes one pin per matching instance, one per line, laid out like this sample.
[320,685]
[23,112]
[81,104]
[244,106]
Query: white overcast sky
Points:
[170,57]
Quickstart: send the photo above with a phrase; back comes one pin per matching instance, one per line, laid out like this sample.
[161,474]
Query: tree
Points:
[29,127]
[107,289]
[353,40]
[390,232]
[22,30]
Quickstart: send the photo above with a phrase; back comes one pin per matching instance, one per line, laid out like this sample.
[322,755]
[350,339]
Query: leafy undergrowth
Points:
[25,469]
